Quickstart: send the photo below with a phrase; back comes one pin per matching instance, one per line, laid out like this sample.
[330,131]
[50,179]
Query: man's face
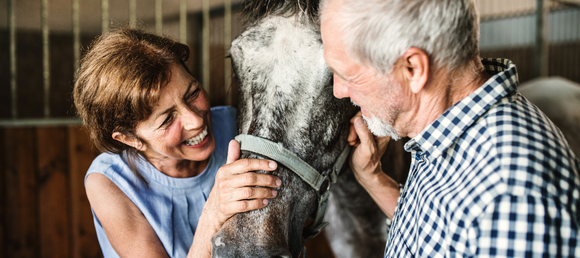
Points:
[380,97]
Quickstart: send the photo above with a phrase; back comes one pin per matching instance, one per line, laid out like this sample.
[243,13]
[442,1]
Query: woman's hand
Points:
[235,188]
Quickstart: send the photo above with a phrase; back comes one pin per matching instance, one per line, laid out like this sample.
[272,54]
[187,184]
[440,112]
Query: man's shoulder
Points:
[531,153]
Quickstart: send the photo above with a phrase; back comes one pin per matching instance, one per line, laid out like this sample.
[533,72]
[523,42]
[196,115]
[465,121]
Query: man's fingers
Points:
[233,151]
[364,134]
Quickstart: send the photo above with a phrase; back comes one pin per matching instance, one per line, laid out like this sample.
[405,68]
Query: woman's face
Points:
[179,127]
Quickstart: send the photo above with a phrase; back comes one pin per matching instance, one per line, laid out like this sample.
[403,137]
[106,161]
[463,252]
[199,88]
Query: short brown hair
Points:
[119,81]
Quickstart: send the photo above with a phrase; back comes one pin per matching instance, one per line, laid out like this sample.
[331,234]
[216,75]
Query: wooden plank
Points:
[53,195]
[21,215]
[81,154]
[318,247]
[2,193]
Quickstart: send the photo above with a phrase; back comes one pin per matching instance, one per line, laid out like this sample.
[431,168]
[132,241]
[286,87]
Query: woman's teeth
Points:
[197,139]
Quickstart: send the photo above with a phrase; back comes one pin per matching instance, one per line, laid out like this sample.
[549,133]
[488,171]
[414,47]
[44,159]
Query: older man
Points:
[491,175]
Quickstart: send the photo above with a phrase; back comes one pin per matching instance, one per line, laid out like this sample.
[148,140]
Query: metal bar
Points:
[133,13]
[40,122]
[12,35]
[158,17]
[183,21]
[104,16]
[76,34]
[205,45]
[45,58]
[227,45]
[540,49]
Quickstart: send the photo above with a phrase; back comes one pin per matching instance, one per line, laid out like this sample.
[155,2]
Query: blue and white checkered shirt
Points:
[492,176]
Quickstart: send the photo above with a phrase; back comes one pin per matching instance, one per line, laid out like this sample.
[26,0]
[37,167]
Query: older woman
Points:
[164,149]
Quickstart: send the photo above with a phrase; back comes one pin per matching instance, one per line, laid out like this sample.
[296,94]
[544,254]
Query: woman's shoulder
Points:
[225,113]
[223,120]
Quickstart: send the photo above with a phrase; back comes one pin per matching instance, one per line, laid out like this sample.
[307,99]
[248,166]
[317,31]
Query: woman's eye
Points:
[168,120]
[193,94]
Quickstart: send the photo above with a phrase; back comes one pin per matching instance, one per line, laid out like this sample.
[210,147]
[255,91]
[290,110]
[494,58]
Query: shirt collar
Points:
[445,130]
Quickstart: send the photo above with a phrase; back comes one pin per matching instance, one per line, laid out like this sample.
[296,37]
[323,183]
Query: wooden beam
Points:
[21,216]
[81,154]
[52,191]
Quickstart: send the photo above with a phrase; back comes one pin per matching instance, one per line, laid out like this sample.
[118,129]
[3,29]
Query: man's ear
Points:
[129,140]
[416,68]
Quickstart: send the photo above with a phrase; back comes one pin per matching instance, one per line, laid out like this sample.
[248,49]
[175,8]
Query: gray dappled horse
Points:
[285,96]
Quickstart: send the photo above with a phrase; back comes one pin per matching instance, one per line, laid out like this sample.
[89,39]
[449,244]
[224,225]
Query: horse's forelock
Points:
[255,10]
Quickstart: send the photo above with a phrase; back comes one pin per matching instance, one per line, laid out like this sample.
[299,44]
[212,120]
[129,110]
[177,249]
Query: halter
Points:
[306,172]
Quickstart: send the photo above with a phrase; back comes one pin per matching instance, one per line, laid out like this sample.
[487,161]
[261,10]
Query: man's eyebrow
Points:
[335,73]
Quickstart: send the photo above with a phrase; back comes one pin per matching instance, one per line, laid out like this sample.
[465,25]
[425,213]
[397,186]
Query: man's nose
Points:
[339,88]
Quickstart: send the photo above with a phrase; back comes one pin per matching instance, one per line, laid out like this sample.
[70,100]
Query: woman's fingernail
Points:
[272,164]
[278,182]
[359,121]
[265,201]
[274,192]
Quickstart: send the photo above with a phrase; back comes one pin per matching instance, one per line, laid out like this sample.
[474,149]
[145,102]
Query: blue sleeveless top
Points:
[171,205]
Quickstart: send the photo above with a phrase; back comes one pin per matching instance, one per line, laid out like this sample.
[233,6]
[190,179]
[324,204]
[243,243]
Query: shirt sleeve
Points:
[525,226]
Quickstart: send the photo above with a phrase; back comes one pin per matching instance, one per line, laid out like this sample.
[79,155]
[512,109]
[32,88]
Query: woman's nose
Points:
[191,119]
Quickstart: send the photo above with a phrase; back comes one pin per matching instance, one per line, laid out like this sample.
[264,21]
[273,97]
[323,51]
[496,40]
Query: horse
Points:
[286,99]
[559,99]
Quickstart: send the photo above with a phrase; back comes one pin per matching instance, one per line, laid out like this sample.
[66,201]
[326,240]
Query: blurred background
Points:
[44,153]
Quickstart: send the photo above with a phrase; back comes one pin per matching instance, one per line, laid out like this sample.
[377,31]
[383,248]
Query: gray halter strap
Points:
[307,173]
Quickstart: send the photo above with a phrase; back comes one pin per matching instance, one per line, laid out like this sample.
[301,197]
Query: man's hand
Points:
[365,160]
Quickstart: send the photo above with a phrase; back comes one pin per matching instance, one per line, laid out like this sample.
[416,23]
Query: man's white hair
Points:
[378,32]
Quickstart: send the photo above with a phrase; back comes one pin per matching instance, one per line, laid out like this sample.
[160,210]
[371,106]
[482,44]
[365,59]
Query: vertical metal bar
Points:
[205,45]
[76,34]
[183,21]
[12,35]
[104,16]
[45,58]
[133,13]
[541,46]
[227,44]
[158,17]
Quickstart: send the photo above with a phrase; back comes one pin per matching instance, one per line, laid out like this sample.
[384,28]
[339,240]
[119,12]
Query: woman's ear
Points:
[416,63]
[130,141]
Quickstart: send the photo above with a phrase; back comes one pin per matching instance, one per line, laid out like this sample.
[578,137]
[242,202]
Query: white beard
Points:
[380,127]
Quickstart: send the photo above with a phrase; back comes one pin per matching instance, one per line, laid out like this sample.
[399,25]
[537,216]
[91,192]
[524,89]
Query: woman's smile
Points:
[199,140]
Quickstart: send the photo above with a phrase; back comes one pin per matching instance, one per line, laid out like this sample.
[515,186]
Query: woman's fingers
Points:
[232,208]
[246,165]
[254,193]
[250,179]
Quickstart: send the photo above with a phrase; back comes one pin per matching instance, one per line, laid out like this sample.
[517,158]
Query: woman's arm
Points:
[126,227]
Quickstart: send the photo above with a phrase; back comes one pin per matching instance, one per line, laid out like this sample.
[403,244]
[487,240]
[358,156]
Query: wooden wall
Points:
[44,211]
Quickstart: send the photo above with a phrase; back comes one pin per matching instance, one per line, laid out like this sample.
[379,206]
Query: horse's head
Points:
[285,96]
